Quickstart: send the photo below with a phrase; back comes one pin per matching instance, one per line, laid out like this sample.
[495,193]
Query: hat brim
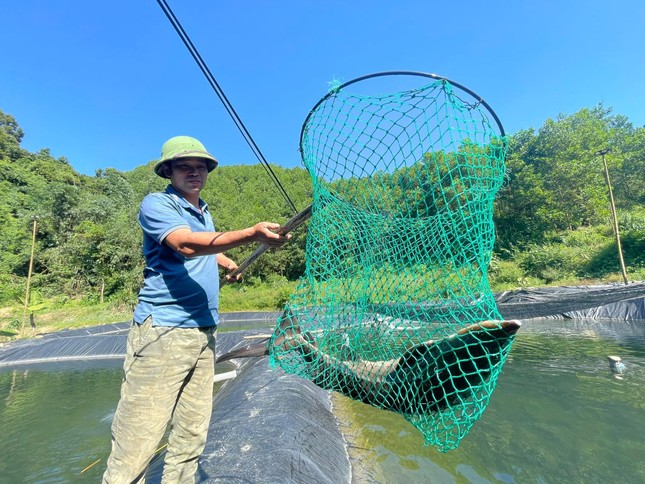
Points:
[211,161]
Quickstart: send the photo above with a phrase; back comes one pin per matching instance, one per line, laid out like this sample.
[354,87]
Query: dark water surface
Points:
[558,415]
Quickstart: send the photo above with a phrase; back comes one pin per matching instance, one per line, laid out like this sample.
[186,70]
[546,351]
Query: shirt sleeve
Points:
[160,215]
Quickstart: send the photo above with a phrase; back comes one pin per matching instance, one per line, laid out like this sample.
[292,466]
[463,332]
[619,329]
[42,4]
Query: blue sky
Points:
[104,84]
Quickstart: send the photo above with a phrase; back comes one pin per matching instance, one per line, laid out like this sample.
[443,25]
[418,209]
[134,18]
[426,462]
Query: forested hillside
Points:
[88,241]
[552,216]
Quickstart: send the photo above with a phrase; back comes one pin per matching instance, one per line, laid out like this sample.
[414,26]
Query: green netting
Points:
[395,309]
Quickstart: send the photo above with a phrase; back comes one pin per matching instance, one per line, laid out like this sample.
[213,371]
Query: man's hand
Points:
[236,278]
[229,266]
[269,234]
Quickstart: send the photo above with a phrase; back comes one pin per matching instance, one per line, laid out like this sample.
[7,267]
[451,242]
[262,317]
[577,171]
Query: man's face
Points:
[188,175]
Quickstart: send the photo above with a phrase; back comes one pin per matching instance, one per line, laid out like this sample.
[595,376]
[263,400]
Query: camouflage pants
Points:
[168,378]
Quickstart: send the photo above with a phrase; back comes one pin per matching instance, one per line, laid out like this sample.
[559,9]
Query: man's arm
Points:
[192,244]
[225,262]
[229,265]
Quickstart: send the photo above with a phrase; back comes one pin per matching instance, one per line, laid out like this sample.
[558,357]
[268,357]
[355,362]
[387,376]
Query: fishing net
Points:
[392,305]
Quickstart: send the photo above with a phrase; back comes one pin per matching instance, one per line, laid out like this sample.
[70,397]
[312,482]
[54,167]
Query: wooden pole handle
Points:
[292,224]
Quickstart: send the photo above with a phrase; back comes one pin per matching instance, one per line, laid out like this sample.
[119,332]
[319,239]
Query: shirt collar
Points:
[179,197]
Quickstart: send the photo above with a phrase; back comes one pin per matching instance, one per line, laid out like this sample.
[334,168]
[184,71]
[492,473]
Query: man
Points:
[169,362]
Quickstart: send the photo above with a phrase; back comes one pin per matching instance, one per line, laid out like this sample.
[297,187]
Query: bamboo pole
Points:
[31,267]
[614,216]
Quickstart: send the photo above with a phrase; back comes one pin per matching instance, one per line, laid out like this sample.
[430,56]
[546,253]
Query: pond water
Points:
[558,415]
[55,422]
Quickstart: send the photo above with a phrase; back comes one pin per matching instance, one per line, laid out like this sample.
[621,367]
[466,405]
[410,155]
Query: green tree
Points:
[10,137]
[521,209]
[629,179]
[555,180]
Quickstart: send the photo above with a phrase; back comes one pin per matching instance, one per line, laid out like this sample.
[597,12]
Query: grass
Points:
[70,316]
[78,314]
[252,296]
[249,296]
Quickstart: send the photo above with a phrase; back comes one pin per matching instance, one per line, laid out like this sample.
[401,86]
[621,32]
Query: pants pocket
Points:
[139,333]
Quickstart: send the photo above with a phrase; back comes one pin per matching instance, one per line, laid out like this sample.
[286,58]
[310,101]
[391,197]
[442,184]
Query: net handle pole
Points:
[293,223]
[401,73]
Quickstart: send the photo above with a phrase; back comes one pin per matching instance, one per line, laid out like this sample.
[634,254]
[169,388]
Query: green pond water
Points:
[55,423]
[558,415]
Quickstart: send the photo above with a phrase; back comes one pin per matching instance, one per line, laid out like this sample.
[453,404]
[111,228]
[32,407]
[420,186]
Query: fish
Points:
[428,377]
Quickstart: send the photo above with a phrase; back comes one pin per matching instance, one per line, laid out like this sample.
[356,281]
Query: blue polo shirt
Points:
[177,290]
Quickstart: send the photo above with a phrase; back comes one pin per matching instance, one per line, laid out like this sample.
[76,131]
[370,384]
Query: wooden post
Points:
[31,267]
[614,216]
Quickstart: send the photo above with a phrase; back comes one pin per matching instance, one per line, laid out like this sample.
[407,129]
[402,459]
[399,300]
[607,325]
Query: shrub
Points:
[504,272]
[12,289]
[633,243]
[550,262]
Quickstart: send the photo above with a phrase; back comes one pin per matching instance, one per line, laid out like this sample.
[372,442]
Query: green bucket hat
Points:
[183,147]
